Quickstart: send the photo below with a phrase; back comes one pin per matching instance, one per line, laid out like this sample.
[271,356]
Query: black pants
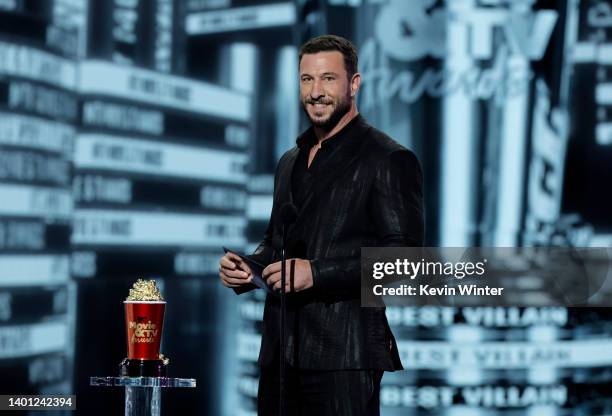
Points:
[320,393]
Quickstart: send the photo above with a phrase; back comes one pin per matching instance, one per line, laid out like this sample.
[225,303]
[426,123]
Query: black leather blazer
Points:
[368,193]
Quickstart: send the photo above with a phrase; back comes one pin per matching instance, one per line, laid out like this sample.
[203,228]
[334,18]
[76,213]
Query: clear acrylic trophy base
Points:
[142,394]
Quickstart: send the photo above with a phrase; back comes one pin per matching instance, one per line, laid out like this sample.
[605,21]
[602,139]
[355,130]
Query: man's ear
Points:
[355,83]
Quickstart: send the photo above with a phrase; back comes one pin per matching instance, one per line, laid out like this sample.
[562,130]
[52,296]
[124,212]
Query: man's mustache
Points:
[313,102]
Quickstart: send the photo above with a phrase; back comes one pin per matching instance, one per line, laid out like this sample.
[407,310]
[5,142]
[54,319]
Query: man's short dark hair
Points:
[328,43]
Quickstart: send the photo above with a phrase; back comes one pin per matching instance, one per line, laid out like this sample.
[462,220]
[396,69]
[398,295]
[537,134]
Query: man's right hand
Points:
[233,271]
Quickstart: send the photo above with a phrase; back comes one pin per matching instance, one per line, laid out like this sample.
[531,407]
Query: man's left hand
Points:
[302,277]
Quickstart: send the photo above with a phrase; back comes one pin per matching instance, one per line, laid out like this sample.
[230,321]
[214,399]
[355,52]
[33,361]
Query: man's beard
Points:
[340,109]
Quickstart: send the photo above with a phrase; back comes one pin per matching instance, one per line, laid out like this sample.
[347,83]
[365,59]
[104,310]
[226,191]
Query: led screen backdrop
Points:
[138,137]
[38,115]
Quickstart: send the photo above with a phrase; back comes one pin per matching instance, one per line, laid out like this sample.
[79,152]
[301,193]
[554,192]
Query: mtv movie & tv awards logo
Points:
[484,48]
[144,332]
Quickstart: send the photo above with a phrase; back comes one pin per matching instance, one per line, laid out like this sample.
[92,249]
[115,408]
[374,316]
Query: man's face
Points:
[325,90]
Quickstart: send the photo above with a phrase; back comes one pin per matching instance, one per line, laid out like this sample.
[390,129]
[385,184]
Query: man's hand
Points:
[302,278]
[233,271]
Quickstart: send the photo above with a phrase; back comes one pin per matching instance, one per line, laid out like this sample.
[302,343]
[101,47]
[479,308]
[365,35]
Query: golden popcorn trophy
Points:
[144,320]
[144,371]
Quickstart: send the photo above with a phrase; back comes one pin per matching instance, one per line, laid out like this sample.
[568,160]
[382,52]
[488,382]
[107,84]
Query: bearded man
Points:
[353,186]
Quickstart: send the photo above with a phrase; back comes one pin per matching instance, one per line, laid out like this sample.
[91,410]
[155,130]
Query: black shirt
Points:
[302,176]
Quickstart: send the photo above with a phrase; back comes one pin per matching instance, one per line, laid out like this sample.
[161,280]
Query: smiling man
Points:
[353,187]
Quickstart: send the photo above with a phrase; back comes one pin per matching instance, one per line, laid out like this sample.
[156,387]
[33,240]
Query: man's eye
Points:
[328,78]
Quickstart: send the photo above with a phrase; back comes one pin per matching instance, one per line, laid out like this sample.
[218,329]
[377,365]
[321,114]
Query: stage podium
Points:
[142,394]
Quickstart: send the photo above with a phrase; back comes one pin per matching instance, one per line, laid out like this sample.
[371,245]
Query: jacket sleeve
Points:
[396,206]
[263,254]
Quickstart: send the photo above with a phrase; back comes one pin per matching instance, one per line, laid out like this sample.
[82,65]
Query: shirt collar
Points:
[349,131]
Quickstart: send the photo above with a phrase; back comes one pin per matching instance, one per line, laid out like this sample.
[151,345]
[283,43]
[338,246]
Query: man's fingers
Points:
[227,263]
[277,286]
[233,271]
[224,281]
[236,281]
[276,268]
[273,278]
[245,267]
[231,262]
[236,274]
[271,269]
[275,281]
[232,257]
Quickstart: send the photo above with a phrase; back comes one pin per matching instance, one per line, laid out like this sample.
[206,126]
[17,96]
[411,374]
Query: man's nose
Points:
[316,91]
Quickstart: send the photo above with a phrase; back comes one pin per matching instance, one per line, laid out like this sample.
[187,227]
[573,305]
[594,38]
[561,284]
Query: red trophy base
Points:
[143,368]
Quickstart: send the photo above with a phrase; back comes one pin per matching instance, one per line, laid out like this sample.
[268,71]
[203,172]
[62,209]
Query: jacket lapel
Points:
[285,193]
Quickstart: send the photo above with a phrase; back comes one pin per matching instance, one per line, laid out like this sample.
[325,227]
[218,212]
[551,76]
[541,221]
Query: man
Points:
[353,187]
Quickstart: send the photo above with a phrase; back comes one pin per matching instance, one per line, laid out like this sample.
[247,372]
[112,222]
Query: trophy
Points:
[144,319]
